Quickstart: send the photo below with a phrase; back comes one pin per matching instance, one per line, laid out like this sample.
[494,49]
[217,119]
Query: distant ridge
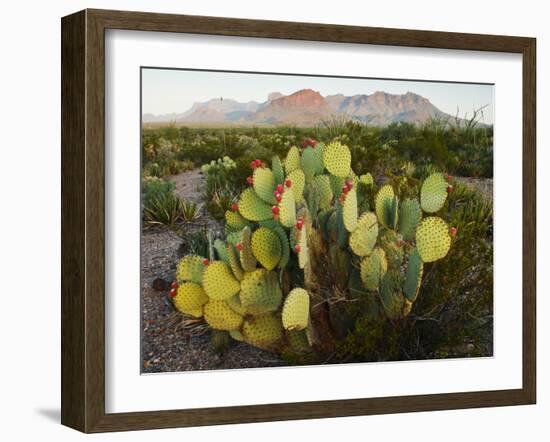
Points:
[307,107]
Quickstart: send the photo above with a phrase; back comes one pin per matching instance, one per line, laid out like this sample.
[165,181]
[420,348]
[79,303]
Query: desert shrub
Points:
[163,208]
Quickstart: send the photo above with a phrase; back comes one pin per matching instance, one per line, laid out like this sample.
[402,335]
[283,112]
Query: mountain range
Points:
[306,107]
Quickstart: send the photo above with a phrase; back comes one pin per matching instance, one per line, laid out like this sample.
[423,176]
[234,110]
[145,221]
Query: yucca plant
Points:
[305,239]
[189,210]
[163,208]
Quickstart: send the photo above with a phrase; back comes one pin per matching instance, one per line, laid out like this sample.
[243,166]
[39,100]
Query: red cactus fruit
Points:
[239,247]
[234,207]
[173,293]
[280,188]
[253,164]
[297,248]
[249,180]
[300,224]
[278,197]
[275,210]
[453,231]
[449,188]
[288,183]
[174,285]
[205,261]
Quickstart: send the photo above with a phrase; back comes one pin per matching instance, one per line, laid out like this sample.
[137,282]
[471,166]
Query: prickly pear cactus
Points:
[305,239]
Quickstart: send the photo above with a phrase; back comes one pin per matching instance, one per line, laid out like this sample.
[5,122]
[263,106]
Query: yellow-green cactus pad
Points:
[264,184]
[292,161]
[220,316]
[373,268]
[311,162]
[393,214]
[413,277]
[266,247]
[190,298]
[409,217]
[349,211]
[433,193]
[278,171]
[235,220]
[363,238]
[298,180]
[218,281]
[322,184]
[285,248]
[252,207]
[432,239]
[287,208]
[383,205]
[234,261]
[320,152]
[299,238]
[393,301]
[235,304]
[296,310]
[337,159]
[190,268]
[366,179]
[298,341]
[263,331]
[237,335]
[248,261]
[260,292]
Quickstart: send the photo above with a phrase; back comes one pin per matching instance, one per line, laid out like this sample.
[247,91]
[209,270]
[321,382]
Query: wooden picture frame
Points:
[83,216]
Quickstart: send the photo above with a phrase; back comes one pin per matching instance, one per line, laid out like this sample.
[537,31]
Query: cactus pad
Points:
[221,250]
[190,268]
[366,179]
[432,239]
[285,248]
[296,310]
[220,316]
[298,341]
[263,331]
[278,171]
[252,207]
[190,298]
[413,277]
[337,159]
[234,262]
[373,268]
[287,208]
[311,163]
[349,211]
[391,243]
[237,335]
[219,282]
[433,193]
[292,161]
[235,220]
[298,183]
[248,261]
[260,292]
[336,184]
[266,247]
[299,238]
[324,189]
[363,238]
[409,217]
[393,301]
[235,304]
[383,205]
[264,184]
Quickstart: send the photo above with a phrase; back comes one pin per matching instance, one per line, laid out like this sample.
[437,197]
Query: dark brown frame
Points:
[83,215]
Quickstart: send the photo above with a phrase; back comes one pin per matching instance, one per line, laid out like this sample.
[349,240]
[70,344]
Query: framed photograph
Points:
[267,221]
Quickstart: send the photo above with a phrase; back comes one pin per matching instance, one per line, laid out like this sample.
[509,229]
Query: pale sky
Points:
[167,91]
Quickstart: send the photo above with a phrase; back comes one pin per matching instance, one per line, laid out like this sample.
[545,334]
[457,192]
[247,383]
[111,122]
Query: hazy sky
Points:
[174,91]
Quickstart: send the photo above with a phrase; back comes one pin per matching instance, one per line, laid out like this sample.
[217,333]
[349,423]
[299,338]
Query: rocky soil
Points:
[169,341]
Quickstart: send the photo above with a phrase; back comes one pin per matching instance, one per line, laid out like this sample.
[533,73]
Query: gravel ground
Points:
[484,185]
[167,343]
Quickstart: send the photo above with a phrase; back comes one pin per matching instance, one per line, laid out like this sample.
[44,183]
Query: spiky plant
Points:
[297,248]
